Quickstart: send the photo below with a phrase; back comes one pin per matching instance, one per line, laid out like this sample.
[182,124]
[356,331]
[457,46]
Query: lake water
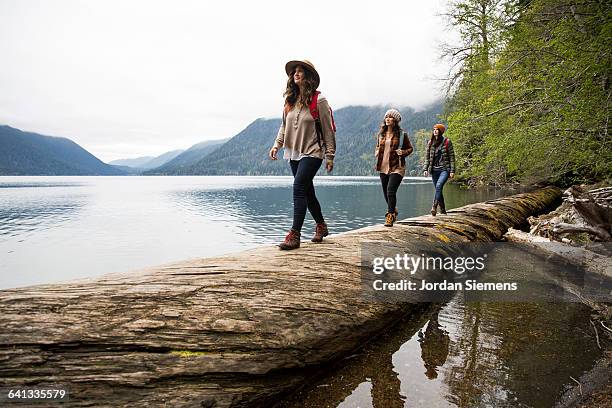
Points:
[55,229]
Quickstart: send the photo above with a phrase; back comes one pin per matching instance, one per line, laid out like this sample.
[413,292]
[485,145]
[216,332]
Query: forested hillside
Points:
[529,91]
[26,153]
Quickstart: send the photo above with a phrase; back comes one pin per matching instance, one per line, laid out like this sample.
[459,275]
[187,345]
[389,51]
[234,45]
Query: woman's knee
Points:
[299,189]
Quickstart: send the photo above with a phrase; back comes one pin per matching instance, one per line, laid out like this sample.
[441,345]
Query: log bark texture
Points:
[235,330]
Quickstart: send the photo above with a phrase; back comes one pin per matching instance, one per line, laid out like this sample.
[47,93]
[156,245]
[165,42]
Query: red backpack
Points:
[445,144]
[314,111]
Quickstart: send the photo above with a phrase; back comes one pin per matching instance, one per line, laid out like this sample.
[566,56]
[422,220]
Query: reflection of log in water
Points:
[227,331]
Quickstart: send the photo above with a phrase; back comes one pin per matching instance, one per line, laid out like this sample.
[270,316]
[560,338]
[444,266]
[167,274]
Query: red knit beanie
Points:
[440,127]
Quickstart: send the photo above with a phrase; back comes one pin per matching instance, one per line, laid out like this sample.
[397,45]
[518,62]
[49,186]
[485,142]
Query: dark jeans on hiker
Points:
[304,171]
[439,178]
[390,184]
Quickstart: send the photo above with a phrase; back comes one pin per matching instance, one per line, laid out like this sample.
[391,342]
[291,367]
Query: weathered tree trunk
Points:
[235,330]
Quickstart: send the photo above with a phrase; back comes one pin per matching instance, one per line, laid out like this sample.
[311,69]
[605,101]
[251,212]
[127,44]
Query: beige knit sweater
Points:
[298,135]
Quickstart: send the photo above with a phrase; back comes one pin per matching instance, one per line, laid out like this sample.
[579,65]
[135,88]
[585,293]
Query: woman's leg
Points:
[434,178]
[394,182]
[314,207]
[304,171]
[384,180]
[440,181]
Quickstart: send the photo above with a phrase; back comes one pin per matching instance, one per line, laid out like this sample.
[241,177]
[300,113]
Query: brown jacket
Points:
[395,161]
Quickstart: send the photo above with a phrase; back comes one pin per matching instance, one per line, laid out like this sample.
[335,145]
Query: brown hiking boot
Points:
[320,232]
[292,240]
[434,208]
[442,208]
[390,219]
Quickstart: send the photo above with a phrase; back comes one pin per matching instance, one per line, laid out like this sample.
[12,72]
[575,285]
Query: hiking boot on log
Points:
[442,208]
[390,219]
[320,232]
[292,240]
[434,208]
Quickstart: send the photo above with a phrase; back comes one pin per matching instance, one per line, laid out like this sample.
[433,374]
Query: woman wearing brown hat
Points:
[391,160]
[440,163]
[308,136]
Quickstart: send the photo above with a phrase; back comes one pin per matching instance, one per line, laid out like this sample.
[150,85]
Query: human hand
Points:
[329,166]
[426,173]
[451,175]
[273,152]
[399,152]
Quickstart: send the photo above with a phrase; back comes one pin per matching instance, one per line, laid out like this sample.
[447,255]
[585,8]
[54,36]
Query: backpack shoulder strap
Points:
[446,144]
[314,111]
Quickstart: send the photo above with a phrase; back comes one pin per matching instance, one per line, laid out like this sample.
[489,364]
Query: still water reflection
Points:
[465,354]
[58,228]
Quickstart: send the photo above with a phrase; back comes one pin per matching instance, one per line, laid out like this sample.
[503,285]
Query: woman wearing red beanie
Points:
[440,163]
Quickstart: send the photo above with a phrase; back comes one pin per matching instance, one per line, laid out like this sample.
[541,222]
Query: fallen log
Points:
[235,330]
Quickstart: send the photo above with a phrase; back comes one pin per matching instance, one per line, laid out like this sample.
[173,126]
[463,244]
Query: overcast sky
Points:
[132,78]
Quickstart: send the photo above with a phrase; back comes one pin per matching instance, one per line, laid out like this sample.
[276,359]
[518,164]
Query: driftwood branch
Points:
[564,228]
[583,212]
[596,334]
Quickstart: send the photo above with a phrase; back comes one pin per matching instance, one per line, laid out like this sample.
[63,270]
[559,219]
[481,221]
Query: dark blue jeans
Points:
[439,178]
[304,171]
[390,184]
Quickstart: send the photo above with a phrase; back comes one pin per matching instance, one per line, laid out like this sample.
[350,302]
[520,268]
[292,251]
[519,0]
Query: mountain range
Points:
[187,158]
[147,162]
[25,153]
[32,154]
[247,152]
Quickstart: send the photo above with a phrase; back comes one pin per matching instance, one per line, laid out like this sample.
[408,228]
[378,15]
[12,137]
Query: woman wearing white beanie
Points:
[391,160]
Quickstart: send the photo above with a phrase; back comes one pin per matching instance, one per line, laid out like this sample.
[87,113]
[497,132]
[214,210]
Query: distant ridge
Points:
[137,162]
[140,164]
[26,153]
[187,158]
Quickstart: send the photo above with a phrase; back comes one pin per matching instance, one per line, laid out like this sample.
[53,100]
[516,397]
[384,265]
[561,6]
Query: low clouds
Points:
[142,77]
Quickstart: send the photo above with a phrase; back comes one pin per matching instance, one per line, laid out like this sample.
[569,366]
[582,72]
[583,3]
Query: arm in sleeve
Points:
[406,145]
[329,135]
[451,156]
[426,167]
[280,137]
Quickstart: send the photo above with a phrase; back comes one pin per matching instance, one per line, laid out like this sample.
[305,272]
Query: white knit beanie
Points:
[394,113]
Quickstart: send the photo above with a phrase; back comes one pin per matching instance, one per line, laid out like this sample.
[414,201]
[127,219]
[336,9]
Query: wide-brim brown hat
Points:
[290,66]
